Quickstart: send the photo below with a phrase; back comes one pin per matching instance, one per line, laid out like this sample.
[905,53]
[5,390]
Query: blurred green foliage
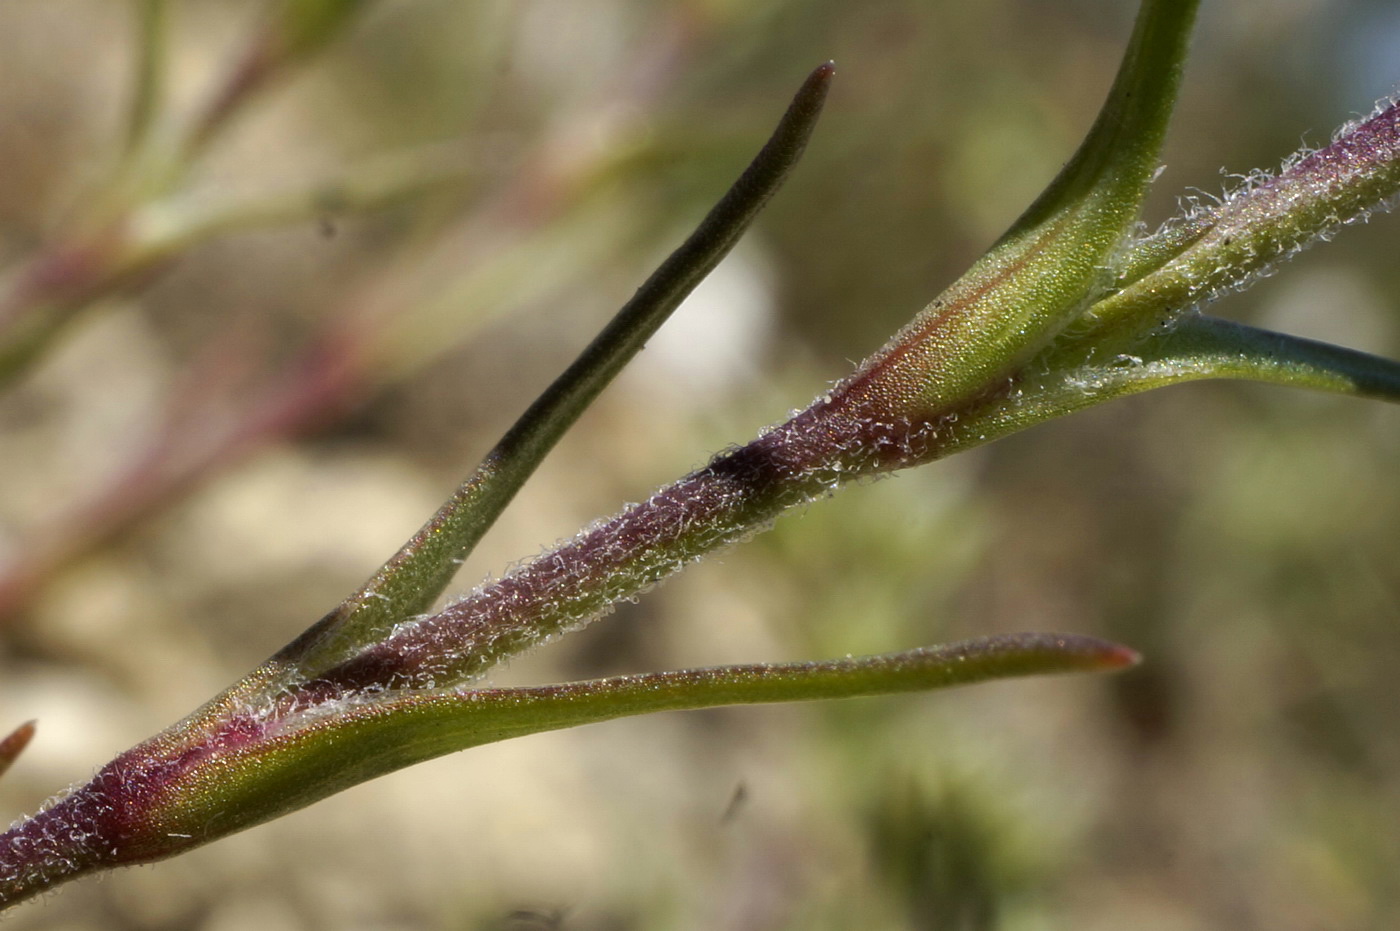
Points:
[1247,776]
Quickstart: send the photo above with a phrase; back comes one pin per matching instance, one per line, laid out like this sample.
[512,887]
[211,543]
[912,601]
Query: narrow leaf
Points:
[332,747]
[1193,347]
[13,745]
[1047,268]
[414,578]
[1201,346]
[1041,273]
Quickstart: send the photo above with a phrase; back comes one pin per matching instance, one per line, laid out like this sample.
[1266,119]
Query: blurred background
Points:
[248,408]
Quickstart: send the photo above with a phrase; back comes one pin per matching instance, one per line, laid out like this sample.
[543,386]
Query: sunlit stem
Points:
[1258,227]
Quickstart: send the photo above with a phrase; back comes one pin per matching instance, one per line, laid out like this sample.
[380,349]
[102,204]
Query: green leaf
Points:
[1045,271]
[333,746]
[1192,347]
[1199,346]
[413,579]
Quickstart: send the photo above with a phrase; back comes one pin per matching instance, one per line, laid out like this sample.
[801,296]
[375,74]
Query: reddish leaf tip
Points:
[1077,651]
[12,746]
[1116,656]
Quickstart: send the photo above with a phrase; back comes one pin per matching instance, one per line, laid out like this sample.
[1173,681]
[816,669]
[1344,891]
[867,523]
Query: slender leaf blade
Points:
[1055,260]
[331,747]
[1194,347]
[413,579]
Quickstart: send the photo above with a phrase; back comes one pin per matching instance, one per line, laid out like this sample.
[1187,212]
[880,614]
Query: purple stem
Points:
[739,493]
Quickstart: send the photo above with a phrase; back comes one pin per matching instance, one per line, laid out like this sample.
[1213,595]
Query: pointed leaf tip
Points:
[1044,272]
[305,759]
[413,578]
[1104,655]
[1029,653]
[12,746]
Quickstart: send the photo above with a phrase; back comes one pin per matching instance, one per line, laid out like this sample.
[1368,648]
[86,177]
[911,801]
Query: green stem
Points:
[1259,227]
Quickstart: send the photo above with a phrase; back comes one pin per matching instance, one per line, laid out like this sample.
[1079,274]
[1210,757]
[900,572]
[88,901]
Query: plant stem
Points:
[736,495]
[414,578]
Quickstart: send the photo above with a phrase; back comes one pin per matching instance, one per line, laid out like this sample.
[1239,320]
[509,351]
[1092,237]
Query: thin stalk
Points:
[1263,225]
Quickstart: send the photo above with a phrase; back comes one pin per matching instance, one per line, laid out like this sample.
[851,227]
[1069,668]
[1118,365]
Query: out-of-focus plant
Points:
[1072,306]
[148,210]
[140,216]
